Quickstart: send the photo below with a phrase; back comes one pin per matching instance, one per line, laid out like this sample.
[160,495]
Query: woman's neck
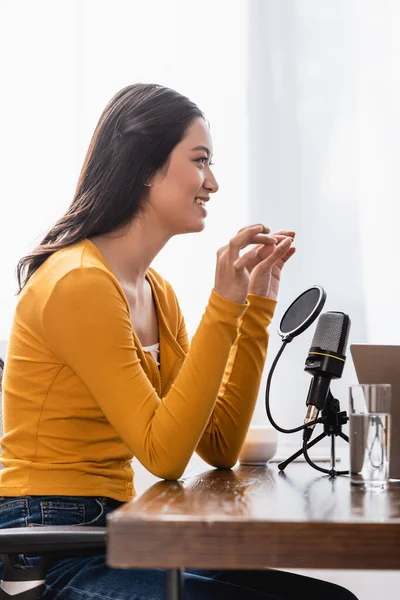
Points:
[130,252]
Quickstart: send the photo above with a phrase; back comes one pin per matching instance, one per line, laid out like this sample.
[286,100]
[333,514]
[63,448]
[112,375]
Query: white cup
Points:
[259,446]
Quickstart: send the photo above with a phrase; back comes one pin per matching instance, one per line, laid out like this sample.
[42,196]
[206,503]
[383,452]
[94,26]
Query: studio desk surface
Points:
[256,517]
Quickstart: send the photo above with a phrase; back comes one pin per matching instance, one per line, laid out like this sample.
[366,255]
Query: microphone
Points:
[325,361]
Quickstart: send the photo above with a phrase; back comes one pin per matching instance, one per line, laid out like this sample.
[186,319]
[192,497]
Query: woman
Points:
[99,368]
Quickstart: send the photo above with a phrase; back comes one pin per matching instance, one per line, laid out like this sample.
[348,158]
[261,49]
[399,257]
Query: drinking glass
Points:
[370,435]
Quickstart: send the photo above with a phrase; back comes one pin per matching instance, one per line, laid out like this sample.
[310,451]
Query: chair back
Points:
[1,404]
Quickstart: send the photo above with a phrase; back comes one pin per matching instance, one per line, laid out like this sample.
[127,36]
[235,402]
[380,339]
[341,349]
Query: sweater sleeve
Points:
[87,324]
[223,438]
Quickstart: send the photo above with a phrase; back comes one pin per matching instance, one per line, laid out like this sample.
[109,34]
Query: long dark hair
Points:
[133,139]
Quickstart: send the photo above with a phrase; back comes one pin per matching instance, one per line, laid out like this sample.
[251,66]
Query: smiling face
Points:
[173,192]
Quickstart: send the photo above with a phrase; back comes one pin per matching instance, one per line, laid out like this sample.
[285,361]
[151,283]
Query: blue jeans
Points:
[89,577]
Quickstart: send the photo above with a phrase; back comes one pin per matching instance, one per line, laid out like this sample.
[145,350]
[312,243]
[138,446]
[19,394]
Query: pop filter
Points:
[325,361]
[302,313]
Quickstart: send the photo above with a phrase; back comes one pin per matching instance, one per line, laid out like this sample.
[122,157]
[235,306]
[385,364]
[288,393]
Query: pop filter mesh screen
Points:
[298,312]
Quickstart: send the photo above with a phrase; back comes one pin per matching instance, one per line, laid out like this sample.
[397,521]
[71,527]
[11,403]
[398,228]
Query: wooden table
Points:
[256,517]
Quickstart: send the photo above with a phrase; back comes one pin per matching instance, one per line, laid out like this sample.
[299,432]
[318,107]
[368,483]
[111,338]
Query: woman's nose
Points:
[211,184]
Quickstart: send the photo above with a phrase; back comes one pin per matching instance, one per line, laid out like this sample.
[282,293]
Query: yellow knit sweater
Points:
[82,398]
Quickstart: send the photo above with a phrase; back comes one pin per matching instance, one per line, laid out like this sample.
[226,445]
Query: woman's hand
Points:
[266,266]
[232,275]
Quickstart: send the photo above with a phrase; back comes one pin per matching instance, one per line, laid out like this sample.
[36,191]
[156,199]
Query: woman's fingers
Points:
[288,254]
[263,228]
[281,237]
[280,251]
[245,260]
[253,250]
[286,232]
[246,237]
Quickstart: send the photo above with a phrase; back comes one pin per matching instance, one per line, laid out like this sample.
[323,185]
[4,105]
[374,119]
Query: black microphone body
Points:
[326,359]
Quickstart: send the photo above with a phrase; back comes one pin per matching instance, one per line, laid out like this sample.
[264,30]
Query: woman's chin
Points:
[200,225]
[194,227]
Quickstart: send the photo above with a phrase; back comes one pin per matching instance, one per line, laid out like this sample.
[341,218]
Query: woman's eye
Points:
[203,160]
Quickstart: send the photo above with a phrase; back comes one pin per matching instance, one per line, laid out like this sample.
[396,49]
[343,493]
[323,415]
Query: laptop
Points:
[381,364]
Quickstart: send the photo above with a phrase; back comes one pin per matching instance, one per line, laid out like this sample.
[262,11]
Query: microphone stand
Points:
[333,419]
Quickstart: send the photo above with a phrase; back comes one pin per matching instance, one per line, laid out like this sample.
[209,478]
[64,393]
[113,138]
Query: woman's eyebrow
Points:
[202,148]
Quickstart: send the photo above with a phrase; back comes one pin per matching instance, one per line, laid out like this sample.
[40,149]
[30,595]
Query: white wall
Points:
[324,112]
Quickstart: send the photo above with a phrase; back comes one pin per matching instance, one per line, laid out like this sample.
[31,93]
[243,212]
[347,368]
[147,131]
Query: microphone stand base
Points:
[333,419]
